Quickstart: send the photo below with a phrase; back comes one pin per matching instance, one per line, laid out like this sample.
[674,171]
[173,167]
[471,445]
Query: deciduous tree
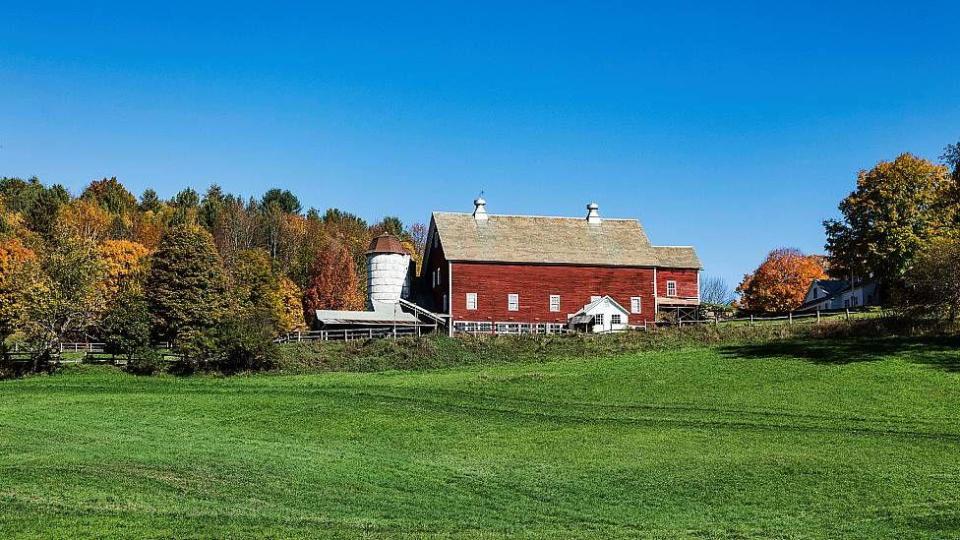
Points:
[781,281]
[333,281]
[933,282]
[66,298]
[84,219]
[714,291]
[896,208]
[110,194]
[123,264]
[18,269]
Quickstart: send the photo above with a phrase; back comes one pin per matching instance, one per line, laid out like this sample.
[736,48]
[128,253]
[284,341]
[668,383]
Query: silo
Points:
[387,271]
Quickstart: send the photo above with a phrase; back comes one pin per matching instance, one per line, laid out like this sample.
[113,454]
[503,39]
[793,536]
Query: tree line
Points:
[900,228]
[204,273]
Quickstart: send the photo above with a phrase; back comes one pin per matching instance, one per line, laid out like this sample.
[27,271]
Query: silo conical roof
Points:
[386,243]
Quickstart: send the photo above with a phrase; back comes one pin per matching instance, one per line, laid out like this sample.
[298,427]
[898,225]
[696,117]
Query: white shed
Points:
[602,315]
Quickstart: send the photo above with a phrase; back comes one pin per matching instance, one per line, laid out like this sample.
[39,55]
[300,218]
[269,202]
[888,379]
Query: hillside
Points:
[790,439]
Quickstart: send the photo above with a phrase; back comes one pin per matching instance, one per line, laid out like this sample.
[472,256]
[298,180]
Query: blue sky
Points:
[735,128]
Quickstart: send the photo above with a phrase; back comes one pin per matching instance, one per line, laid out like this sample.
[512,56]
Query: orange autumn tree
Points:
[780,283]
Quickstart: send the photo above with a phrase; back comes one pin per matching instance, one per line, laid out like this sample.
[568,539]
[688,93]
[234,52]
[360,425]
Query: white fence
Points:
[352,334]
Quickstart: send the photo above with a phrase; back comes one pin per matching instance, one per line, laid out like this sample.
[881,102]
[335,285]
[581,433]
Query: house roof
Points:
[554,240]
[831,286]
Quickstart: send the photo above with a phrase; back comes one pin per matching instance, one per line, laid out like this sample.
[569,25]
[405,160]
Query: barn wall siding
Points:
[687,285]
[492,282]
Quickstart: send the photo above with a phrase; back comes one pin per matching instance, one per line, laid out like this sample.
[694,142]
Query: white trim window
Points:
[635,304]
[513,302]
[554,303]
[598,319]
[471,301]
[615,318]
[671,288]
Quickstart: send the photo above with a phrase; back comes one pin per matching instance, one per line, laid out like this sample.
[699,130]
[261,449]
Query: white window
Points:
[471,301]
[599,319]
[595,298]
[513,302]
[635,305]
[554,302]
[615,318]
[671,288]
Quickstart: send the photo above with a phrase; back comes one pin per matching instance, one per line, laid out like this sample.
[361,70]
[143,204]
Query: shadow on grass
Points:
[941,352]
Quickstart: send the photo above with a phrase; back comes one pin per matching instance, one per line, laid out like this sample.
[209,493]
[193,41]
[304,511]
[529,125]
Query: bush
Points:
[246,345]
[236,345]
[12,366]
[126,328]
[147,362]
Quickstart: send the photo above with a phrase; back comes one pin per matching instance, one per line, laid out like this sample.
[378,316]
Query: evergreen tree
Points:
[186,286]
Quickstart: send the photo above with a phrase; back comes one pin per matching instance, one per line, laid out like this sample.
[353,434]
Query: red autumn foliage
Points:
[333,281]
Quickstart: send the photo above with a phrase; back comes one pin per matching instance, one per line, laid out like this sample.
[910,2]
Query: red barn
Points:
[488,271]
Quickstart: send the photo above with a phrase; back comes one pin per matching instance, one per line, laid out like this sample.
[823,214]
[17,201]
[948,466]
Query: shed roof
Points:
[603,300]
[554,240]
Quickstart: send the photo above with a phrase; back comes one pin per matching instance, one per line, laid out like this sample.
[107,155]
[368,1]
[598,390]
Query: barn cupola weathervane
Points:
[480,208]
[593,214]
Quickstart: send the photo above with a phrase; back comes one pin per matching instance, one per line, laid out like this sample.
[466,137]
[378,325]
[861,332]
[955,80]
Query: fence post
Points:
[848,314]
[790,317]
[818,316]
[751,319]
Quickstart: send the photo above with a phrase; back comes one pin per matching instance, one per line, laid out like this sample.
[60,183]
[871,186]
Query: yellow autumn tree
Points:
[17,269]
[123,265]
[85,219]
[291,306]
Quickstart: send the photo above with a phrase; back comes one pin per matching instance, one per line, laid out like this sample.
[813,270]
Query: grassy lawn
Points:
[797,439]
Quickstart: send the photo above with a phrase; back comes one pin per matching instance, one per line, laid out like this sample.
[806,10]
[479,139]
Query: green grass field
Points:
[853,439]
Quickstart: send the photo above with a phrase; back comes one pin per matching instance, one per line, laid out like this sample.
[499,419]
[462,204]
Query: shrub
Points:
[238,344]
[126,328]
[146,362]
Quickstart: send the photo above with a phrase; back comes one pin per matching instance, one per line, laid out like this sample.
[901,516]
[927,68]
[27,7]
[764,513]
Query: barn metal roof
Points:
[554,240]
[381,314]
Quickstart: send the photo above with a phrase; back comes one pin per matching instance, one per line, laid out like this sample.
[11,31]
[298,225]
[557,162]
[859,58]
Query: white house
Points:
[602,314]
[827,294]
